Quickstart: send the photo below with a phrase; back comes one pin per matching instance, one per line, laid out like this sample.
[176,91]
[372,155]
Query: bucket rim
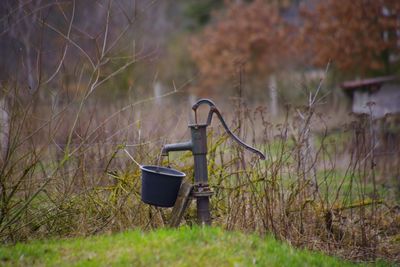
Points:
[178,173]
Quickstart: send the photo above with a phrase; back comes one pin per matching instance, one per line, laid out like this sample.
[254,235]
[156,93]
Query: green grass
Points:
[164,247]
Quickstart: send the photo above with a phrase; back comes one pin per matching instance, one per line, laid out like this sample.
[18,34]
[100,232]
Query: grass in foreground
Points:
[164,247]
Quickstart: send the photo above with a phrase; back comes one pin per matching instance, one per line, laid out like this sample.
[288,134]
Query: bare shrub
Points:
[63,173]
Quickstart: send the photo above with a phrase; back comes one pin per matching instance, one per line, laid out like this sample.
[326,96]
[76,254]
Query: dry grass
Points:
[61,179]
[62,172]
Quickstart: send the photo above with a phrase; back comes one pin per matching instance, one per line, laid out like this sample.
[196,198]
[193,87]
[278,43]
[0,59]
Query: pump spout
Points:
[185,146]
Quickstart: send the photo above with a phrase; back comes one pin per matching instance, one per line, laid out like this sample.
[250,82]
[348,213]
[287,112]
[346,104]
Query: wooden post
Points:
[273,95]
[4,128]
[181,204]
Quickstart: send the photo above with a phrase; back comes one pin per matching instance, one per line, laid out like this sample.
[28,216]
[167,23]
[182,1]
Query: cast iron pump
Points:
[198,146]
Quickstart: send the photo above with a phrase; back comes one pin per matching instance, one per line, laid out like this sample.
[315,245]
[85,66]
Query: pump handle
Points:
[214,109]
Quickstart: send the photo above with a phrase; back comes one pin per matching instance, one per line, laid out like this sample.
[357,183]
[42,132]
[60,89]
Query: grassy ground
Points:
[164,247]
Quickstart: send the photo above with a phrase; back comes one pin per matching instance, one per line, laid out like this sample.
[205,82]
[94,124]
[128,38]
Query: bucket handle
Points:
[130,156]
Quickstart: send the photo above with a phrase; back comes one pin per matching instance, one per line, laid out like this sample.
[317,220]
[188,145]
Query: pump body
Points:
[198,146]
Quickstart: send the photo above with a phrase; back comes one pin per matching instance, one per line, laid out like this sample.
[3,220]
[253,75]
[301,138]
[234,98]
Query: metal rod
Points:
[203,211]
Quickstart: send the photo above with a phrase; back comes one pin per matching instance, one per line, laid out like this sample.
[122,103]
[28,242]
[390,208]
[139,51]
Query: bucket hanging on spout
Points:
[160,185]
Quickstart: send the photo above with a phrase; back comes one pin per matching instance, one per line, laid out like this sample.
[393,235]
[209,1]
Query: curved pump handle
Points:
[214,109]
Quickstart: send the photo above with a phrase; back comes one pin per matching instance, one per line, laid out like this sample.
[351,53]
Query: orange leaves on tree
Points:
[358,35]
[252,36]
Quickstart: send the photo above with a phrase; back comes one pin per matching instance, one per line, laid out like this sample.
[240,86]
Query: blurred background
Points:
[263,51]
[312,83]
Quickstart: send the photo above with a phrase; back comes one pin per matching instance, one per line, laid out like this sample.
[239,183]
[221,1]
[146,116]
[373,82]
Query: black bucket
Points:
[160,185]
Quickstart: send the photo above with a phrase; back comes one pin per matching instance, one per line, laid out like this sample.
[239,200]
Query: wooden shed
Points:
[378,96]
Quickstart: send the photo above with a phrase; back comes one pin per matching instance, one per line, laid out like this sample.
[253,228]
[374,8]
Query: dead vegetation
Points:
[63,171]
[330,192]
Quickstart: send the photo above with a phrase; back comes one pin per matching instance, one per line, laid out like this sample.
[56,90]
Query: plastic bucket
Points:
[160,185]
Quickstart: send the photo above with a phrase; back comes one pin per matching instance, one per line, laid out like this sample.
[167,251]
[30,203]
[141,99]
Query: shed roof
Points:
[368,83]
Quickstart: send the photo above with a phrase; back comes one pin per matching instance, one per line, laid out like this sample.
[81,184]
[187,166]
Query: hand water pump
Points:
[198,145]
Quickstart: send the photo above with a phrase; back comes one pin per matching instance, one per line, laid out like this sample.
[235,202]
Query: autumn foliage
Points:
[359,36]
[252,36]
